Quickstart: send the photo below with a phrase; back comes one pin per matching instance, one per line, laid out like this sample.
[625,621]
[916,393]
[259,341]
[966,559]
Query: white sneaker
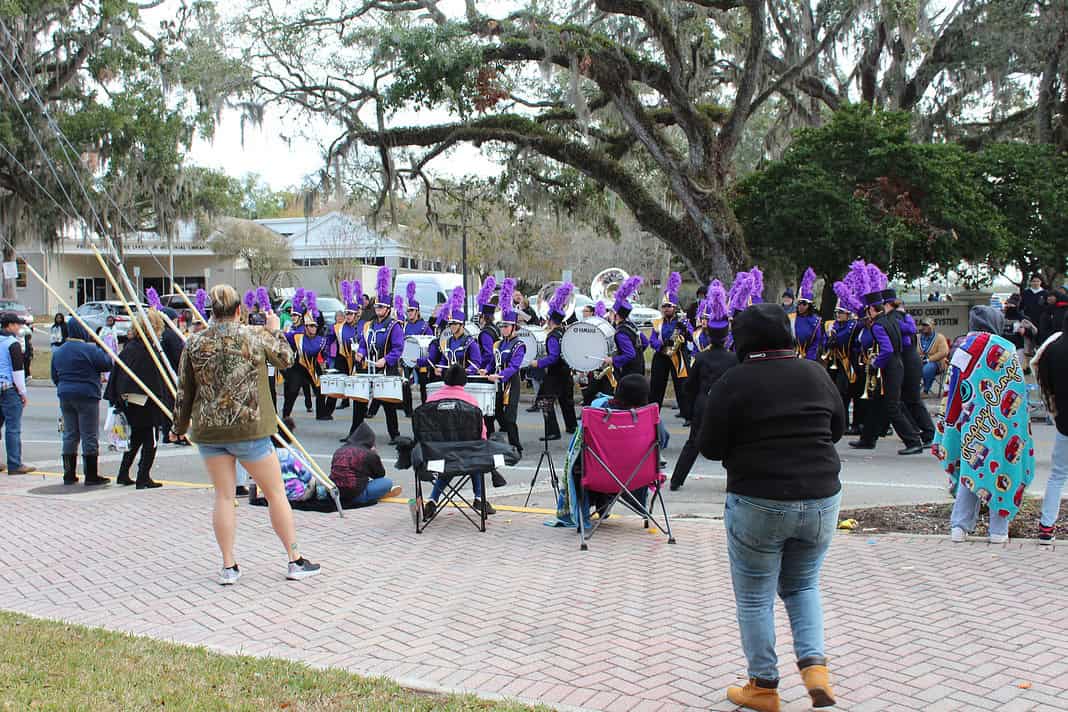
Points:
[228,577]
[999,538]
[301,569]
[957,535]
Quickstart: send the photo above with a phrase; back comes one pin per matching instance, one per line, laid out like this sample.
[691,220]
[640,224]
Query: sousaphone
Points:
[606,283]
[545,295]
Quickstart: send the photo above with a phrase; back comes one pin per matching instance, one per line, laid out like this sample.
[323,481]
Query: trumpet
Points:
[873,380]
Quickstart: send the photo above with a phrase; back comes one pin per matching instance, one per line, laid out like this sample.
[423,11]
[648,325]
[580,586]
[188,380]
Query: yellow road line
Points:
[169,483]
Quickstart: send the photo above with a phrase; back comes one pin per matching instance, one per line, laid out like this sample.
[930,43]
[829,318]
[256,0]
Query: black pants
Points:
[663,369]
[272,383]
[565,396]
[885,409]
[143,439]
[295,382]
[359,414]
[851,395]
[690,449]
[911,395]
[307,388]
[508,415]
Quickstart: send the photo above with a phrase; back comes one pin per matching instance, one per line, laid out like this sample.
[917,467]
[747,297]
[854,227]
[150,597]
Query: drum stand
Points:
[546,404]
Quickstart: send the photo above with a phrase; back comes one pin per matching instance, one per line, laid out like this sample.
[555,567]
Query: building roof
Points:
[334,235]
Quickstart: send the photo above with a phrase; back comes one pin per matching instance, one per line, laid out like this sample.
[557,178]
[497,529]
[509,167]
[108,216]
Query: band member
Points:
[588,311]
[414,326]
[599,382]
[454,345]
[884,375]
[309,347]
[806,321]
[381,344]
[912,383]
[668,340]
[630,343]
[488,334]
[558,383]
[701,339]
[508,360]
[709,364]
[842,352]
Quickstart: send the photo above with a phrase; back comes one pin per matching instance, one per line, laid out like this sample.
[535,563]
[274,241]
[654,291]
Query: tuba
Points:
[604,285]
[545,294]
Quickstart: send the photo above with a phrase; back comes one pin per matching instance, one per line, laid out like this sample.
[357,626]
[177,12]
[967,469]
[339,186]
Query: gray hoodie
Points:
[987,319]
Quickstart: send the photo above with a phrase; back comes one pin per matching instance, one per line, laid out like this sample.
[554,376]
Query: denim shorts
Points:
[243,450]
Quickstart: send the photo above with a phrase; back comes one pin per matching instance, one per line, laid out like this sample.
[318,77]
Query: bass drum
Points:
[586,344]
[534,341]
[415,348]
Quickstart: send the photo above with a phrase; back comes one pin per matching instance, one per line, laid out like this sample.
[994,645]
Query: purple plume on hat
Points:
[347,293]
[153,298]
[671,290]
[756,290]
[808,281]
[200,303]
[298,300]
[626,290]
[263,298]
[409,292]
[877,281]
[847,298]
[249,300]
[456,305]
[741,290]
[484,298]
[508,313]
[398,304]
[857,279]
[311,303]
[599,309]
[558,304]
[716,305]
[383,283]
[357,292]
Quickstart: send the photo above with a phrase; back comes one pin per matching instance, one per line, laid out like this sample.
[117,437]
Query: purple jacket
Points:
[388,339]
[511,353]
[417,328]
[809,335]
[463,350]
[625,352]
[886,346]
[666,332]
[552,352]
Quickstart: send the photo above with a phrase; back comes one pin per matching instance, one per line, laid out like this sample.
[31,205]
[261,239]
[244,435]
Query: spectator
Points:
[223,399]
[691,311]
[985,429]
[108,334]
[1046,328]
[455,379]
[27,350]
[145,418]
[13,395]
[1051,368]
[1020,331]
[773,420]
[1033,300]
[58,333]
[77,366]
[788,301]
[358,472]
[934,352]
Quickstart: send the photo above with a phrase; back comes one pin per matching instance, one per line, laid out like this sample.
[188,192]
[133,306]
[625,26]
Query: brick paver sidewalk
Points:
[632,624]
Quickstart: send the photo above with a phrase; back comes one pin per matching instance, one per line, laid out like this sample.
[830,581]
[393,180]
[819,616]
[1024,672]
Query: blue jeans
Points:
[966,513]
[441,480]
[11,414]
[81,421]
[376,489]
[930,373]
[1051,502]
[779,546]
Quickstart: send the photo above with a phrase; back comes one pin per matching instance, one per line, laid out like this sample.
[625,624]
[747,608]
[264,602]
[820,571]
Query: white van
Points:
[431,288]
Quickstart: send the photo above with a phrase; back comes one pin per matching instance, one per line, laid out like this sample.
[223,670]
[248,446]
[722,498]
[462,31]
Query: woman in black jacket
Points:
[773,420]
[143,415]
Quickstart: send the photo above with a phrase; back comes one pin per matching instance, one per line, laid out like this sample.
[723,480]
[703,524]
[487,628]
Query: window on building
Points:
[20,280]
[311,262]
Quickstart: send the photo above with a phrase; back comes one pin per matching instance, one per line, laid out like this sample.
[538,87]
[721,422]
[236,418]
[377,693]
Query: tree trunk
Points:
[9,284]
[828,300]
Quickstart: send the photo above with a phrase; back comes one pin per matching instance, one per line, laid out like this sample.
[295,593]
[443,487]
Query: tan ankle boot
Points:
[762,699]
[818,683]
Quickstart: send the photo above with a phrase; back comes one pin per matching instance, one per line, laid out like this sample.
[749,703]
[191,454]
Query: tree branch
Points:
[731,133]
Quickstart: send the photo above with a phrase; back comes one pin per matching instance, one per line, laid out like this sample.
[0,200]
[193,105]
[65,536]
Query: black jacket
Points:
[135,355]
[707,368]
[774,422]
[1053,374]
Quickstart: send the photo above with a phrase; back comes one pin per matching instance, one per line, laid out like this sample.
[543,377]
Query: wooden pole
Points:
[148,392]
[165,373]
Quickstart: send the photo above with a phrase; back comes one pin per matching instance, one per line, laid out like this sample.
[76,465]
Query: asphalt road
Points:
[870,478]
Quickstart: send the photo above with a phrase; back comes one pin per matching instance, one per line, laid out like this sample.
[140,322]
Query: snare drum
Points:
[486,394]
[332,385]
[586,344]
[534,341]
[358,387]
[388,389]
[415,348]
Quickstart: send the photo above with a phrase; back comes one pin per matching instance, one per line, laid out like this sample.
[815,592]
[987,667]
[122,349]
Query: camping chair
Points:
[620,454]
[448,442]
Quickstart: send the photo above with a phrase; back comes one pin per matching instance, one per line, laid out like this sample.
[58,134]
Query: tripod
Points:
[546,404]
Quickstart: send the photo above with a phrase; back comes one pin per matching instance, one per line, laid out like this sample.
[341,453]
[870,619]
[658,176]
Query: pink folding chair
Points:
[621,458]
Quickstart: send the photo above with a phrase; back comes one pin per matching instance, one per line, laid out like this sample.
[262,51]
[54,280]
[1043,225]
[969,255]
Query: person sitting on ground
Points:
[984,438]
[455,380]
[934,352]
[773,420]
[358,472]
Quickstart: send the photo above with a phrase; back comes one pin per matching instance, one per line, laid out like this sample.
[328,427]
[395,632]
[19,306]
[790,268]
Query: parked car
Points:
[433,288]
[177,302]
[95,314]
[329,306]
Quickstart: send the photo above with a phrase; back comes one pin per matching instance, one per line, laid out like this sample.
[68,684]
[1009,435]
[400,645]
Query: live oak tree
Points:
[266,254]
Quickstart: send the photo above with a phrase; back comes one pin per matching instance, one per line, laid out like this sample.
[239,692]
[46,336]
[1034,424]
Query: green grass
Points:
[45,665]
